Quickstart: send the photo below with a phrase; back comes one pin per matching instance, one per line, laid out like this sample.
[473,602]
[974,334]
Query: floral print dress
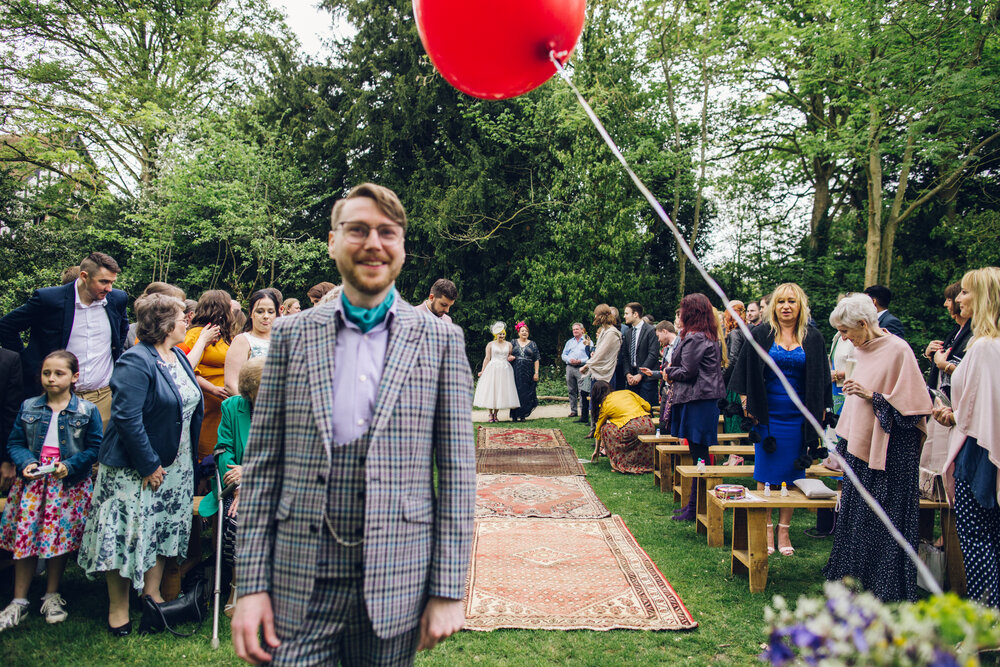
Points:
[130,525]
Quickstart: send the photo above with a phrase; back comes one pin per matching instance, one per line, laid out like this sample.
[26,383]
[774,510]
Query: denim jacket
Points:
[80,435]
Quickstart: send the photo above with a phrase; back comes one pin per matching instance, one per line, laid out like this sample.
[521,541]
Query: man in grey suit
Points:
[346,553]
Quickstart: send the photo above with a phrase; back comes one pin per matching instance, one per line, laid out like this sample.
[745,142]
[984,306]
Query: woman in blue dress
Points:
[798,349]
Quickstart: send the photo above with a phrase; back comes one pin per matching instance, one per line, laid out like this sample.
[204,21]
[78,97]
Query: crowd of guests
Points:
[149,402]
[904,435]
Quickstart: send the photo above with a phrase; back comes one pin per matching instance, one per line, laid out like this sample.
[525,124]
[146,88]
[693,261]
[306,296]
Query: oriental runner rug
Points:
[587,574]
[547,462]
[533,496]
[520,438]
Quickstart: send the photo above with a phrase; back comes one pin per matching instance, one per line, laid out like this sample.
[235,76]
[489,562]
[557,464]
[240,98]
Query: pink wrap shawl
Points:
[885,365]
[975,395]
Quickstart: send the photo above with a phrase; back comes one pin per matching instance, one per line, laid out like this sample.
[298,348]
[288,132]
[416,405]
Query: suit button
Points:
[313,529]
[320,479]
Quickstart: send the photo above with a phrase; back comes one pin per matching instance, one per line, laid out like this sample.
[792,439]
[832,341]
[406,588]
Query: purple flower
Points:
[943,659]
[777,652]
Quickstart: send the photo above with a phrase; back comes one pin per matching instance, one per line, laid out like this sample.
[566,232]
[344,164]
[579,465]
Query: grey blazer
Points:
[417,542]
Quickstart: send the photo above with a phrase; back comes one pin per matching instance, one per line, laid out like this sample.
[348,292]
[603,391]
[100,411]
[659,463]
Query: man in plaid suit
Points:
[346,552]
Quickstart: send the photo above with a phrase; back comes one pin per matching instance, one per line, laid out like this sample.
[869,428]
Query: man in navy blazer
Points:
[882,296]
[86,317]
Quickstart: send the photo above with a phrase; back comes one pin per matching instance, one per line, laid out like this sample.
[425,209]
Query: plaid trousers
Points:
[337,631]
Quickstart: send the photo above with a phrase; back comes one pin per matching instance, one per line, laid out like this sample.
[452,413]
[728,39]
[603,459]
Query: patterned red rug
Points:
[587,574]
[544,461]
[532,496]
[520,438]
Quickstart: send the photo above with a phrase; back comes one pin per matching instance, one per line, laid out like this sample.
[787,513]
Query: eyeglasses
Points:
[358,232]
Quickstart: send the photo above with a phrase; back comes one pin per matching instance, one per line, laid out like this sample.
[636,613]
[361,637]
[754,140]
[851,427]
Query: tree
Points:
[117,74]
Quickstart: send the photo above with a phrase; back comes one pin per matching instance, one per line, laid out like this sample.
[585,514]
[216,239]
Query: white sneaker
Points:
[12,615]
[52,609]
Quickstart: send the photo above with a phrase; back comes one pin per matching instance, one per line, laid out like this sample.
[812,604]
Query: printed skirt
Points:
[626,453]
[43,517]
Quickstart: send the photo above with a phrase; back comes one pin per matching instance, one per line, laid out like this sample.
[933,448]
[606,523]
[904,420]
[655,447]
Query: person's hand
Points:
[573,361]
[29,471]
[853,388]
[933,347]
[511,357]
[441,619]
[253,613]
[154,479]
[941,359]
[220,393]
[586,341]
[534,378]
[836,376]
[942,414]
[479,374]
[583,369]
[633,379]
[235,504]
[60,471]
[209,333]
[233,475]
[8,473]
[645,371]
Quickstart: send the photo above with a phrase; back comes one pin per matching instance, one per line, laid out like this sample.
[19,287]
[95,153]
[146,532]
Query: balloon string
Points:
[764,356]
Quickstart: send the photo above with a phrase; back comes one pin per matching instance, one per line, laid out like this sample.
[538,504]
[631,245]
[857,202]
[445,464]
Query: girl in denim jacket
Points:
[54,442]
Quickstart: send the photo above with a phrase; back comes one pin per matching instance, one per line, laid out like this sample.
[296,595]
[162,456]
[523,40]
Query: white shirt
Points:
[90,341]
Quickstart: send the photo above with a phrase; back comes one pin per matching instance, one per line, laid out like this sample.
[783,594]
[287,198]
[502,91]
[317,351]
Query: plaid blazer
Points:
[417,542]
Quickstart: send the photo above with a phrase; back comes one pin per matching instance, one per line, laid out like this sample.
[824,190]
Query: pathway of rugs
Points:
[547,553]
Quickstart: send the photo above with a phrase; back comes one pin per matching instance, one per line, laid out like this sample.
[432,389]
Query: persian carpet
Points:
[547,462]
[520,438]
[587,574]
[531,496]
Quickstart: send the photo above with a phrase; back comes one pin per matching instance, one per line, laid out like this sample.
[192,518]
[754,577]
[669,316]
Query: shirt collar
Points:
[76,295]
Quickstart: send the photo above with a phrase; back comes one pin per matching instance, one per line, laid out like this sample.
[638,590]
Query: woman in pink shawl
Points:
[970,471]
[881,427]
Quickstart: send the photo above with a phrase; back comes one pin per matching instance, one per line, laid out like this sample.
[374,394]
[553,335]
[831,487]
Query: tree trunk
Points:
[873,172]
[819,221]
[892,224]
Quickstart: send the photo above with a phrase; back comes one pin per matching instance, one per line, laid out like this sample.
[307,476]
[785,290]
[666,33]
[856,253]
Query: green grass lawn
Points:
[730,632]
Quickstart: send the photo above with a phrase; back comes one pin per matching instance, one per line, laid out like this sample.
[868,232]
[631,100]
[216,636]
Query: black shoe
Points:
[583,420]
[121,631]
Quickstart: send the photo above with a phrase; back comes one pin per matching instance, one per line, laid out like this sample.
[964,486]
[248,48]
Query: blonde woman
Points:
[971,476]
[781,440]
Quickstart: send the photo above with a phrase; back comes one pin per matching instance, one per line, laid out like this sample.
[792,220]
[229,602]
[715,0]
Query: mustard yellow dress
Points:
[212,368]
[623,418]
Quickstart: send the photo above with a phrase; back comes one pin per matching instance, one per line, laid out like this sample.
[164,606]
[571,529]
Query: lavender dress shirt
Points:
[359,364]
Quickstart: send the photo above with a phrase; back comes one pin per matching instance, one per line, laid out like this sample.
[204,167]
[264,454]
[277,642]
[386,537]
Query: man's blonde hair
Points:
[385,200]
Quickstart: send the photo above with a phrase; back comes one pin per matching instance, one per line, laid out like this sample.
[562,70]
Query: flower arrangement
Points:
[849,628]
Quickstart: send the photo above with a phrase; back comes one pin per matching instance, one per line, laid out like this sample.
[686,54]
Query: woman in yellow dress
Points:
[622,416]
[214,309]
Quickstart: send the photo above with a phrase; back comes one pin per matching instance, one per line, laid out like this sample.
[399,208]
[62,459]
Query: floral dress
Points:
[130,525]
[524,378]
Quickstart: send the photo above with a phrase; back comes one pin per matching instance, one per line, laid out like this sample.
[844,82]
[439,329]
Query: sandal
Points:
[789,550]
[770,538]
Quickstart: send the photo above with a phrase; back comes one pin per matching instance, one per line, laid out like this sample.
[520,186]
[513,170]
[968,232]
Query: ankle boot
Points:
[689,511]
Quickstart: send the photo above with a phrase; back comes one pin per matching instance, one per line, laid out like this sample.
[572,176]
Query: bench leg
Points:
[713,519]
[701,504]
[757,548]
[679,482]
[953,553]
[737,566]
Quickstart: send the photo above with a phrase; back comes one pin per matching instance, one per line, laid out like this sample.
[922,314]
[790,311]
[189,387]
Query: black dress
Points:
[524,378]
[862,547]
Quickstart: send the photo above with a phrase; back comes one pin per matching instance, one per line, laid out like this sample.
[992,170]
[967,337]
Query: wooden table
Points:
[749,554]
[708,519]
[667,457]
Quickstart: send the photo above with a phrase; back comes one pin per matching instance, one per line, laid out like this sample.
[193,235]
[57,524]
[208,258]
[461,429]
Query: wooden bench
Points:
[708,518]
[749,553]
[667,456]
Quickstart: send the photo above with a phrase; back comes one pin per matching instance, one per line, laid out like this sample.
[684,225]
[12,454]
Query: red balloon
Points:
[495,49]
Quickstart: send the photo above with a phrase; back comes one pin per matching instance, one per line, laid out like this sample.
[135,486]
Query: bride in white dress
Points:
[496,389]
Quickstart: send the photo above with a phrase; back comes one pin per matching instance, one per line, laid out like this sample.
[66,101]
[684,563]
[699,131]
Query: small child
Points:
[53,444]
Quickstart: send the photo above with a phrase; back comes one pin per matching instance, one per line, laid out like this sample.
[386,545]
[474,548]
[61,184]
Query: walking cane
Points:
[217,593]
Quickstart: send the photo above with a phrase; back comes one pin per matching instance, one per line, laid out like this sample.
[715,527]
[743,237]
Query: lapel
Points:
[320,347]
[164,373]
[881,318]
[108,308]
[400,357]
[69,309]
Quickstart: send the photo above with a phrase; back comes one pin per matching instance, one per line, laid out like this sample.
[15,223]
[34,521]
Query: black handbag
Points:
[191,606]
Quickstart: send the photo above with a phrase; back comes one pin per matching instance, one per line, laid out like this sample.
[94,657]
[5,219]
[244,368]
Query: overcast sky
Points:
[310,24]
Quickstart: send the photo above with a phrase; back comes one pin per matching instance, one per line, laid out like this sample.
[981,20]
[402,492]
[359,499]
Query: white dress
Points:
[496,389]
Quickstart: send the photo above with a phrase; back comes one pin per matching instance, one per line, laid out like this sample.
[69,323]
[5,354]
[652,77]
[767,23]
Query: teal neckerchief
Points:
[367,318]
